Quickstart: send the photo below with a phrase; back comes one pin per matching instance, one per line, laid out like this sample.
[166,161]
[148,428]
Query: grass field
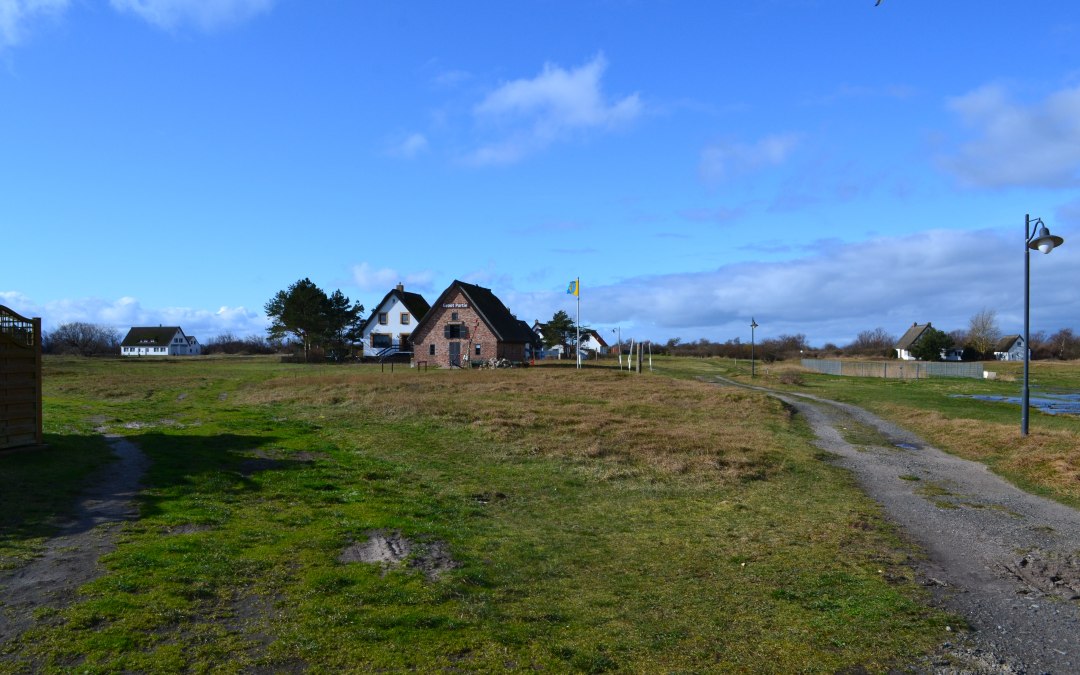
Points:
[1047,461]
[581,521]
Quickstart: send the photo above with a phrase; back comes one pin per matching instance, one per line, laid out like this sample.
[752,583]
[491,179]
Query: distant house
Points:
[909,339]
[592,343]
[392,322]
[468,323]
[952,354]
[159,341]
[542,350]
[1010,348]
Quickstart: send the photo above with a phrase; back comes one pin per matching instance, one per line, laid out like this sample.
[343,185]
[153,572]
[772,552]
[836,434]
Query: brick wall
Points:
[433,332]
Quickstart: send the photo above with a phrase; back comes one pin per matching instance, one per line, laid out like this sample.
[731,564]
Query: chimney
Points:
[401,287]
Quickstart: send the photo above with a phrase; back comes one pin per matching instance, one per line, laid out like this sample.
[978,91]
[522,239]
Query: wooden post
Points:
[39,434]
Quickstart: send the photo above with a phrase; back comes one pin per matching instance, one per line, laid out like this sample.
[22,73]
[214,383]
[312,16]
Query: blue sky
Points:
[825,166]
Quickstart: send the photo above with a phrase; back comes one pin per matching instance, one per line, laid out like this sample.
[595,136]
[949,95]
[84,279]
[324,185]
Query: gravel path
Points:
[70,559]
[1006,560]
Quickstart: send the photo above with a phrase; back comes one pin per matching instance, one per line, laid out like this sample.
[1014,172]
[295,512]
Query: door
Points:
[455,354]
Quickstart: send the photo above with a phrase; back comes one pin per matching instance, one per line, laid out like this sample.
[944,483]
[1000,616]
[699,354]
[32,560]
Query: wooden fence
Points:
[907,370]
[20,380]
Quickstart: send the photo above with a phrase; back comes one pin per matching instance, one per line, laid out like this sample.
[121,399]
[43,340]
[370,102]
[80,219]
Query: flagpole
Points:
[577,344]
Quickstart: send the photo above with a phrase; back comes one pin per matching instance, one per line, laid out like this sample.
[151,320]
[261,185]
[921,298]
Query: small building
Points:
[908,339]
[592,343]
[468,323]
[1010,348]
[20,380]
[389,328]
[159,341]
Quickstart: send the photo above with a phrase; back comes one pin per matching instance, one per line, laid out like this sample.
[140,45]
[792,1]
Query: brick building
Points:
[468,323]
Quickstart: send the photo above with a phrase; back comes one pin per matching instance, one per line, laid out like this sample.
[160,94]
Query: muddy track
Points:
[70,559]
[1006,560]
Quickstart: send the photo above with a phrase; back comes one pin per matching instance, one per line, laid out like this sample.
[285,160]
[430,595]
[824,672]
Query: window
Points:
[431,349]
[384,318]
[456,331]
[404,318]
[453,316]
[381,340]
[478,349]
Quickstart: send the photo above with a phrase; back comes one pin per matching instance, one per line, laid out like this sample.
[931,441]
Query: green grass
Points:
[600,522]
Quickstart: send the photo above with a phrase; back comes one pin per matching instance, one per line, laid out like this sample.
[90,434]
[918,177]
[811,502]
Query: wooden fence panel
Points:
[20,380]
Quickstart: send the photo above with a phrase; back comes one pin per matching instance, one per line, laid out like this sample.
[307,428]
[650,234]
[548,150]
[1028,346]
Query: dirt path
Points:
[1006,560]
[70,559]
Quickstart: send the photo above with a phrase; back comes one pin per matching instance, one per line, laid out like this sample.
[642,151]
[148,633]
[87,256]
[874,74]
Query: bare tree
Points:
[983,332]
[1065,344]
[84,339]
[876,342]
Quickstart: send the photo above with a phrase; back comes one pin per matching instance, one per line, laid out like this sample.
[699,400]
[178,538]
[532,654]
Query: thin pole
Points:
[577,343]
[753,325]
[1025,396]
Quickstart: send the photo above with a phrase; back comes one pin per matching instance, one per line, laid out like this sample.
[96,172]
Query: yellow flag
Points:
[574,288]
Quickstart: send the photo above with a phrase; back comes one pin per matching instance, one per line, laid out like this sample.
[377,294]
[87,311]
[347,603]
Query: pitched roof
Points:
[505,326]
[596,336]
[912,335]
[414,302]
[533,337]
[150,336]
[1006,343]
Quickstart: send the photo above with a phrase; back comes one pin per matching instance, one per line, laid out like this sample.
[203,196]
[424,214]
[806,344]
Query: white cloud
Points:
[835,291]
[721,162]
[1016,145]
[16,14]
[125,312]
[528,115]
[382,280]
[206,15]
[410,147]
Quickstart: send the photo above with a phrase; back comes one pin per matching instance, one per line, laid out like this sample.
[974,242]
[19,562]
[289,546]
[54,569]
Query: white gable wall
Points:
[399,321]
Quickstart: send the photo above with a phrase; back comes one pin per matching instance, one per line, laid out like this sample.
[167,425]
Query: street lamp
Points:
[1040,240]
[753,325]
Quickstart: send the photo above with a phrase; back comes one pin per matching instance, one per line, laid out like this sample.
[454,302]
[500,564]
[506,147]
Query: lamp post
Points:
[1040,240]
[753,325]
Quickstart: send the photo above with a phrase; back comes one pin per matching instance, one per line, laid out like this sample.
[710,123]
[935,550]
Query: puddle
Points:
[906,446]
[1052,403]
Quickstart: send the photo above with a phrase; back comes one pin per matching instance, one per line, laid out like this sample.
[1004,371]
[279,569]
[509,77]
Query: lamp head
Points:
[1044,242]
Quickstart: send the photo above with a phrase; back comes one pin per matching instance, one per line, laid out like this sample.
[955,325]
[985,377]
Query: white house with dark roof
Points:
[159,341]
[392,321]
[908,339]
[1010,348]
[593,342]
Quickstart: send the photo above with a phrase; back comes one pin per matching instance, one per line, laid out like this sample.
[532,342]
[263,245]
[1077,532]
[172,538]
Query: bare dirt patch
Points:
[1048,573]
[70,559]
[390,549]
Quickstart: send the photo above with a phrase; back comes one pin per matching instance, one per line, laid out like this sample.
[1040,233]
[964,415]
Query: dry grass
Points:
[632,423]
[1046,457]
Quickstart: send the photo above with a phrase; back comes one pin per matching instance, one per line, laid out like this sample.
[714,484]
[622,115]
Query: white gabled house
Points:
[908,340]
[390,326]
[159,341]
[592,343]
[1010,348]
